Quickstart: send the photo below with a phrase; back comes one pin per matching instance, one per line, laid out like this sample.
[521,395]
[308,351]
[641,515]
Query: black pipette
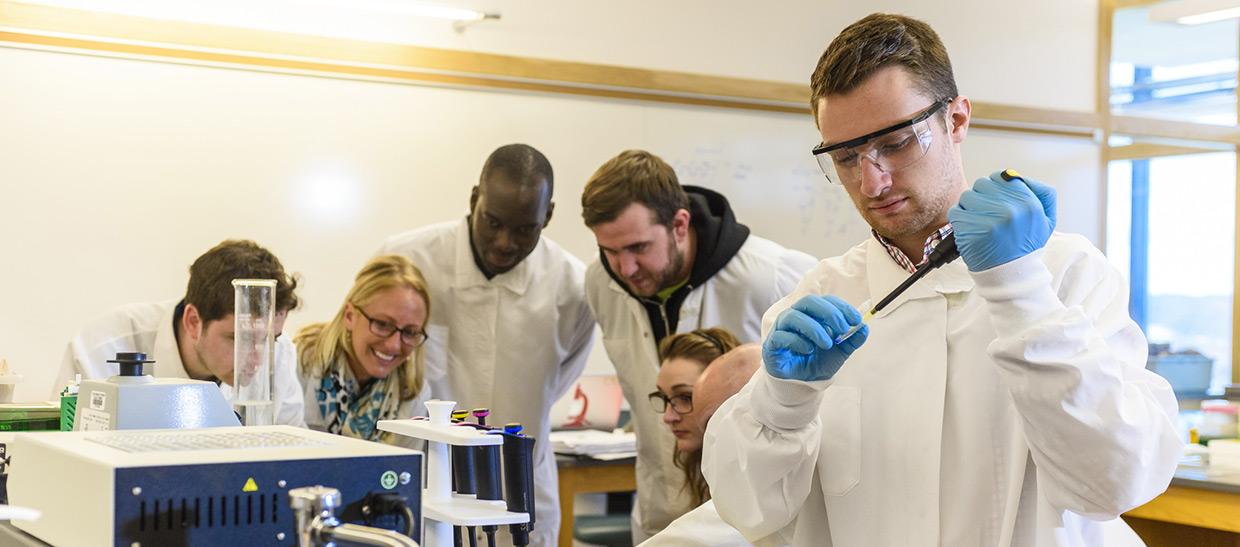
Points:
[943,253]
[518,453]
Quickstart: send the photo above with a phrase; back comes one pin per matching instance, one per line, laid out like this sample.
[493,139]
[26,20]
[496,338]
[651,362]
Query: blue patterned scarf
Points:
[352,411]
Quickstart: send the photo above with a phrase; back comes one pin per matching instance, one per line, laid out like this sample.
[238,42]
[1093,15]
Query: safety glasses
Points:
[889,149]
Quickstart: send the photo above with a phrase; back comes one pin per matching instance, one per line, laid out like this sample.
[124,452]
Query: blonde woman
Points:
[682,360]
[365,365]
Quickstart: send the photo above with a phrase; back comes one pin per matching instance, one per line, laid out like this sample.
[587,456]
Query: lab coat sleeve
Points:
[792,269]
[581,342]
[289,395]
[87,358]
[699,527]
[1100,427]
[761,449]
[69,366]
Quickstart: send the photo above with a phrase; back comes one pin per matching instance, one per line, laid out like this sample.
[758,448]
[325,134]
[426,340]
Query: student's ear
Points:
[349,314]
[550,209]
[473,199]
[959,113]
[191,323]
[680,224]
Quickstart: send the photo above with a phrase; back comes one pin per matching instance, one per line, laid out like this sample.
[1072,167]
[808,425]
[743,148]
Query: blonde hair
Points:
[321,345]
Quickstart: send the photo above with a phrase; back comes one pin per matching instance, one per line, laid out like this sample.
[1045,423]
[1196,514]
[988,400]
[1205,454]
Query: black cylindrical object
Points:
[486,473]
[519,483]
[463,470]
[130,362]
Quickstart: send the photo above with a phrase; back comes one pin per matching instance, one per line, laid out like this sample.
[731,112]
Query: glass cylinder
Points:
[254,350]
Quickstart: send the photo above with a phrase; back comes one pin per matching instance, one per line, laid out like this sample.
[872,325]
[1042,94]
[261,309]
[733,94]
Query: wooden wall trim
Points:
[1172,129]
[119,34]
[1145,150]
[60,29]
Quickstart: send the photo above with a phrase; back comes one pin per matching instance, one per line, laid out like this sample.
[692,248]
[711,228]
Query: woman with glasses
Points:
[683,358]
[365,364]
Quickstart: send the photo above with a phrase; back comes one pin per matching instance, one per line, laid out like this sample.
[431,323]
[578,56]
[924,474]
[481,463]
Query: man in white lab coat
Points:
[672,259]
[510,329]
[193,337]
[1001,400]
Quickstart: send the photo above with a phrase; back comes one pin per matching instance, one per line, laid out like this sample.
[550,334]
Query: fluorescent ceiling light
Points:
[396,21]
[1210,17]
[187,8]
[1195,12]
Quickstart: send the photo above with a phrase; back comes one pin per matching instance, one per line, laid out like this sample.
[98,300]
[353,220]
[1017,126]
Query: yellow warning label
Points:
[250,485]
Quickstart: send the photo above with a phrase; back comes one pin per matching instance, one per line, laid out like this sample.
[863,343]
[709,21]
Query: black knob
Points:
[131,362]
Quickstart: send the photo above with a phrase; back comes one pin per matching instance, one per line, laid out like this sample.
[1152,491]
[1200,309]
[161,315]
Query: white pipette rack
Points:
[441,508]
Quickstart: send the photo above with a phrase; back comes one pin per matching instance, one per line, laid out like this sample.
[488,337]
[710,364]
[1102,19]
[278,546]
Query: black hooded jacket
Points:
[719,237]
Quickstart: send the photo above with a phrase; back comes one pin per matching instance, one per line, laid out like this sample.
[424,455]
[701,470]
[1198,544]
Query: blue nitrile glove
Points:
[999,220]
[800,347]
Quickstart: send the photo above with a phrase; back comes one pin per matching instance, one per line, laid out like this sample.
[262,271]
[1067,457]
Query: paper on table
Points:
[594,443]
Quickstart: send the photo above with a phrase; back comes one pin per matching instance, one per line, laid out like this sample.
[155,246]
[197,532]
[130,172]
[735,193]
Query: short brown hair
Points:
[877,41]
[633,176]
[210,278]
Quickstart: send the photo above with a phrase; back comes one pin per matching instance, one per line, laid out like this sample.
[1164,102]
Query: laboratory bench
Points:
[1201,508]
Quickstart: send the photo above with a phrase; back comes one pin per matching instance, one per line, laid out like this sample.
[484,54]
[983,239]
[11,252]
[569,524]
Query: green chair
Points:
[612,530]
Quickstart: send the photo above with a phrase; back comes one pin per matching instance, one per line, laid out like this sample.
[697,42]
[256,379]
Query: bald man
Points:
[722,379]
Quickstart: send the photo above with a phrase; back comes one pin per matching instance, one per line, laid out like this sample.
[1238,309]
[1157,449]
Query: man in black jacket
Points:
[672,259]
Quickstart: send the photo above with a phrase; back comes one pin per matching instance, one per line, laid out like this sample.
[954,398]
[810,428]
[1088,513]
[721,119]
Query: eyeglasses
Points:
[682,404]
[383,329]
[890,149]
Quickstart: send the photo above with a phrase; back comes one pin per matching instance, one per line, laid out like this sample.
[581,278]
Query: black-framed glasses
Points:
[682,404]
[891,148]
[384,329]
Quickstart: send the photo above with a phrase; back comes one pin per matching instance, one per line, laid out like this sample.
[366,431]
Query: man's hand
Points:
[1000,220]
[801,347]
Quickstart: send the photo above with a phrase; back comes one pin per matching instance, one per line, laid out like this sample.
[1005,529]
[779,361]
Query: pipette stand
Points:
[441,508]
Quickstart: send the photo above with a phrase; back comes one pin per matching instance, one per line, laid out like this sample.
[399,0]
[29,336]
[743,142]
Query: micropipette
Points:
[943,253]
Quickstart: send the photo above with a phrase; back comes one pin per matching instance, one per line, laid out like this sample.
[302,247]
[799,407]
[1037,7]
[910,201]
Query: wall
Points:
[116,174]
[1024,53]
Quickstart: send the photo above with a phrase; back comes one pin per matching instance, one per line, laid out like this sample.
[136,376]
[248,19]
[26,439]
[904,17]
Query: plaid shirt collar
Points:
[904,261]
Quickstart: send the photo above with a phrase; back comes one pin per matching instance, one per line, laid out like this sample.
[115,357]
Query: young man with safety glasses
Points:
[1001,400]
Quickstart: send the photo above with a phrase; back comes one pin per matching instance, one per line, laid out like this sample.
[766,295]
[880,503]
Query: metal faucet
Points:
[314,507]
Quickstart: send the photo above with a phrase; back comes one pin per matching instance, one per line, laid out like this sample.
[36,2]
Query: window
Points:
[1171,71]
[1170,227]
[1171,205]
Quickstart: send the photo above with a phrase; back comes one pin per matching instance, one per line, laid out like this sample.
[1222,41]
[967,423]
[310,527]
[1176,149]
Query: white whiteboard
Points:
[116,174]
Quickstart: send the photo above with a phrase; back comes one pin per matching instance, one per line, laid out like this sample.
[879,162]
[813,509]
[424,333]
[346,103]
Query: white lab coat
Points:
[700,527]
[514,343]
[1003,407]
[147,328]
[734,298]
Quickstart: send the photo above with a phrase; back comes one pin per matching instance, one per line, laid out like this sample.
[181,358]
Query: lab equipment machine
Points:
[218,486]
[133,400]
[254,302]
